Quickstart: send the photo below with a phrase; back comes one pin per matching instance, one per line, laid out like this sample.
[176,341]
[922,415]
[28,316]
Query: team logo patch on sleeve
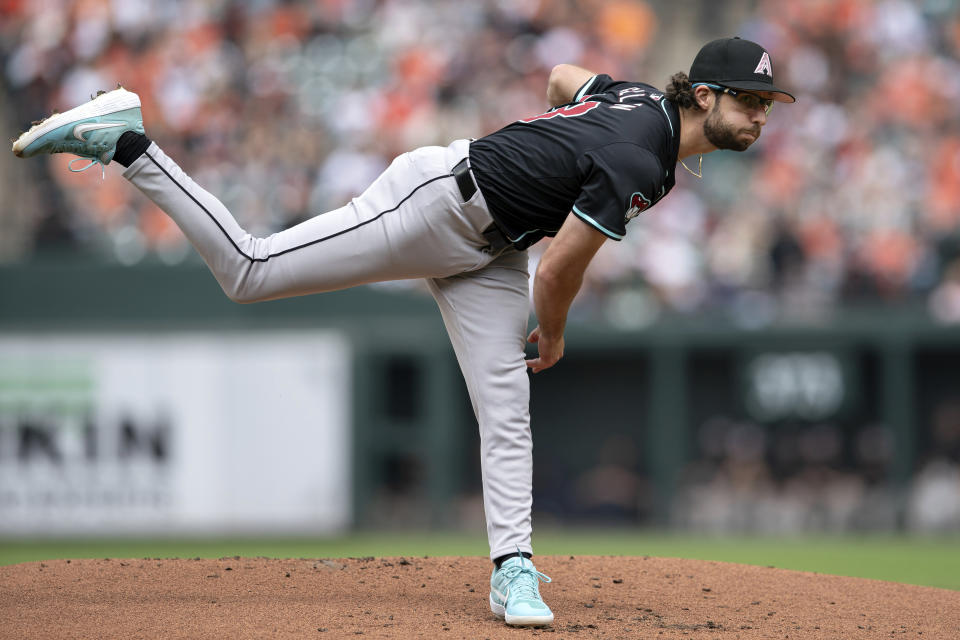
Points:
[638,202]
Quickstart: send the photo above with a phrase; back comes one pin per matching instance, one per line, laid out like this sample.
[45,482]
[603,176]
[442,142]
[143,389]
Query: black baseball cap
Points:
[738,64]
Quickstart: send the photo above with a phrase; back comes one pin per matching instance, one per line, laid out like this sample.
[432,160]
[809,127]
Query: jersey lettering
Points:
[571,111]
[631,92]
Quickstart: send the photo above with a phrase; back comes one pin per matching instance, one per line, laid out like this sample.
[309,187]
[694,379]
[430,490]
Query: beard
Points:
[721,133]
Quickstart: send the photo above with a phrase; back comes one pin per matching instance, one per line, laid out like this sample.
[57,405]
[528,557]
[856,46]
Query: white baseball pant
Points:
[410,223]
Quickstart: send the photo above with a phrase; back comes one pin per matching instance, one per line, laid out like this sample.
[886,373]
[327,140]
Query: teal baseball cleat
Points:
[90,131]
[515,594]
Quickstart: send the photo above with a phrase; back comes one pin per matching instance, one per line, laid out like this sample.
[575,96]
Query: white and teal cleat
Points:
[90,131]
[515,596]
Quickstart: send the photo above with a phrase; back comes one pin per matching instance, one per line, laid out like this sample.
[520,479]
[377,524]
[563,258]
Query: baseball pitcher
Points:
[461,217]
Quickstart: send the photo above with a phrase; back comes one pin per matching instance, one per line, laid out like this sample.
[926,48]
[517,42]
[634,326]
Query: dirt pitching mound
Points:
[592,597]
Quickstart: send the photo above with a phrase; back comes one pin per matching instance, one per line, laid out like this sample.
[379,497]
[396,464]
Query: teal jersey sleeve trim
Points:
[583,89]
[593,223]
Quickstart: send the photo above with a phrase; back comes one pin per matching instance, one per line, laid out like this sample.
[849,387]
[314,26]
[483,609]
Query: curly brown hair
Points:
[680,92]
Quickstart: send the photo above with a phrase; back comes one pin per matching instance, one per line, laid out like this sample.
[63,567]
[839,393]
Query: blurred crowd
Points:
[852,194]
[793,477]
[828,477]
[285,109]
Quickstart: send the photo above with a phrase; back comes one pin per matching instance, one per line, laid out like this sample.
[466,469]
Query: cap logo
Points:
[764,65]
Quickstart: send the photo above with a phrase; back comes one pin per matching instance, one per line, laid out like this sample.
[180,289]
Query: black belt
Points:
[468,188]
[461,173]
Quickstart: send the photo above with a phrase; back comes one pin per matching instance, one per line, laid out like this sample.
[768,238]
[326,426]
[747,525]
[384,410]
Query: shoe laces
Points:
[524,579]
[74,147]
[93,161]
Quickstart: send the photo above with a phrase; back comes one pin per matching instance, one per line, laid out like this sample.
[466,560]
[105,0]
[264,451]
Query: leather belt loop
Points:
[497,239]
[461,173]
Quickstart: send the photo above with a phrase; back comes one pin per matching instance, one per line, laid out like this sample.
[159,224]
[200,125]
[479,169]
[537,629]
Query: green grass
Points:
[931,561]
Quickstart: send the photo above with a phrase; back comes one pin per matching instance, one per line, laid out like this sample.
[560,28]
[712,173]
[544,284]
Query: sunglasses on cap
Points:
[748,100]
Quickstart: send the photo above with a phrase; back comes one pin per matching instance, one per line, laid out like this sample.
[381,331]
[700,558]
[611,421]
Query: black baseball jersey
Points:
[607,156]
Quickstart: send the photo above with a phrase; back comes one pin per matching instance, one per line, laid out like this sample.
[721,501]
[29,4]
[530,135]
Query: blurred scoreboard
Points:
[801,385]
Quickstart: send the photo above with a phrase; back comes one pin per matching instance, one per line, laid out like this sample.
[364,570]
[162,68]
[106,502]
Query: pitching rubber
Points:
[104,104]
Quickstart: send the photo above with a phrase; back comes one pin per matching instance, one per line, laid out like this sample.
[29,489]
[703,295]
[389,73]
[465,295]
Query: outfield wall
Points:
[363,420]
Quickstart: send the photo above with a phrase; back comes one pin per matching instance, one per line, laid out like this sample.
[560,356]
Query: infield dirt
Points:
[592,597]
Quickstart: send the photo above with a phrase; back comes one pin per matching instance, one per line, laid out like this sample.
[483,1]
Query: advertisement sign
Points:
[174,433]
